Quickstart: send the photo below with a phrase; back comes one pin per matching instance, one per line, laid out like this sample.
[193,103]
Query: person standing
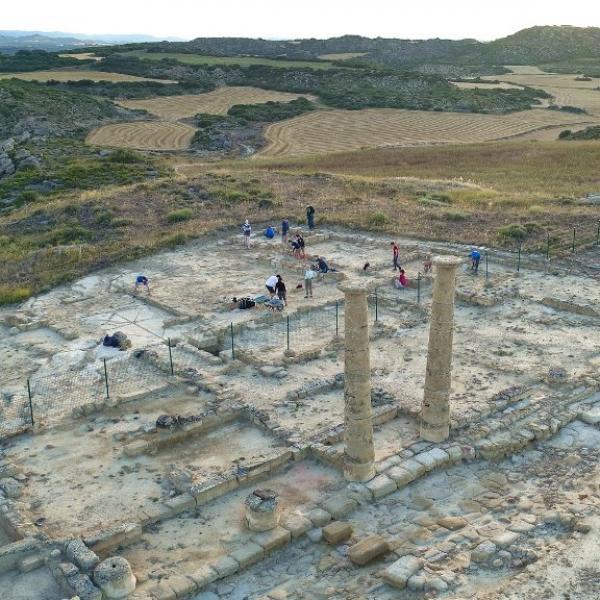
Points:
[285,228]
[475,258]
[396,256]
[309,275]
[280,289]
[301,245]
[247,231]
[310,217]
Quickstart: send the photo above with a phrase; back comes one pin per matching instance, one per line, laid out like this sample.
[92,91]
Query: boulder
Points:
[399,572]
[368,549]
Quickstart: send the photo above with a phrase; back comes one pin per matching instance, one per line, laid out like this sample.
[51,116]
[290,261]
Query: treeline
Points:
[341,88]
[269,112]
[589,133]
[36,60]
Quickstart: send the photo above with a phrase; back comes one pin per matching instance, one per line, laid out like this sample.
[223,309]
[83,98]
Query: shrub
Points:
[123,156]
[25,197]
[455,215]
[121,222]
[177,216]
[11,294]
[378,219]
[171,241]
[514,232]
[69,234]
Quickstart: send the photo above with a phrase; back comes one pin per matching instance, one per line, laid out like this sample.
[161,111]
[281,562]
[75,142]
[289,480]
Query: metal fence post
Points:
[337,318]
[232,343]
[30,402]
[573,247]
[106,378]
[419,287]
[171,357]
[519,259]
[287,319]
[598,234]
[548,246]
[376,306]
[487,269]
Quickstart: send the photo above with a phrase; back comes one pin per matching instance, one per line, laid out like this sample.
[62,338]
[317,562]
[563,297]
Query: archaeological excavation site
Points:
[441,440]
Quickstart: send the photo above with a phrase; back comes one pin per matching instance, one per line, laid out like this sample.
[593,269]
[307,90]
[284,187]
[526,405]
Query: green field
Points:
[243,61]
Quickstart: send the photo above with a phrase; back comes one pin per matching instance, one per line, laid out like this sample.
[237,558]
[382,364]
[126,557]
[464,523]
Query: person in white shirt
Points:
[309,275]
[271,283]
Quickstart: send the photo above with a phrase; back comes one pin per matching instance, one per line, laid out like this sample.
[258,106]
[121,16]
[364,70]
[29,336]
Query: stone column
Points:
[435,414]
[359,452]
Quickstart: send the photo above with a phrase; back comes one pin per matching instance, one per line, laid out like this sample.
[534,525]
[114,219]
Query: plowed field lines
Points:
[143,135]
[77,76]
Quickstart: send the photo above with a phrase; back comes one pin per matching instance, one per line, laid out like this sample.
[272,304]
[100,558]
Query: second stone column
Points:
[359,452]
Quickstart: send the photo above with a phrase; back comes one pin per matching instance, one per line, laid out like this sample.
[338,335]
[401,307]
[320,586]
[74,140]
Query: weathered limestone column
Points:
[435,414]
[359,452]
[115,578]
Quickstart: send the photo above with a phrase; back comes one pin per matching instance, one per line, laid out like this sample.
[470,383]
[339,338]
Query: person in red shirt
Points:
[402,280]
[396,255]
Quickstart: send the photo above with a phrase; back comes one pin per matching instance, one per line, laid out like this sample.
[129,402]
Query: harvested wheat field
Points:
[340,130]
[77,76]
[82,56]
[143,135]
[564,88]
[217,102]
[341,56]
[483,85]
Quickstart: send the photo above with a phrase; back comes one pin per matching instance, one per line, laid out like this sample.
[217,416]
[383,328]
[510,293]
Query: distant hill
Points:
[536,45]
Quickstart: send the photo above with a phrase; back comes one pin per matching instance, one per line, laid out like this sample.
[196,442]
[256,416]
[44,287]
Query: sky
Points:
[284,19]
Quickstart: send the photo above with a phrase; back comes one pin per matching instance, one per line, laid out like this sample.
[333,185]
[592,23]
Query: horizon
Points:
[267,19]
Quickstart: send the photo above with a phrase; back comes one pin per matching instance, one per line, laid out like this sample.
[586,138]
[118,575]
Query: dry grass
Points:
[338,130]
[65,75]
[143,135]
[82,56]
[217,102]
[517,171]
[341,56]
[472,85]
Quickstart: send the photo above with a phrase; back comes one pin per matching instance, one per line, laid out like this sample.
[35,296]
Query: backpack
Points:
[245,303]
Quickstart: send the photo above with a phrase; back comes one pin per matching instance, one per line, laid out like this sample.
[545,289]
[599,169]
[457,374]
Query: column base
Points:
[434,433]
[359,472]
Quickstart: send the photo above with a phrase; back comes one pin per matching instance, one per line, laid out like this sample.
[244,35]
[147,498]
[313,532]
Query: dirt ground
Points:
[276,403]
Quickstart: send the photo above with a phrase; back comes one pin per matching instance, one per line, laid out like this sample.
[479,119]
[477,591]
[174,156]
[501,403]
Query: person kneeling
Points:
[402,281]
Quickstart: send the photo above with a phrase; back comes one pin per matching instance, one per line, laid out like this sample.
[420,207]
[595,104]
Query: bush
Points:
[378,219]
[125,157]
[177,216]
[514,232]
[25,197]
[455,215]
[69,234]
[11,294]
[174,240]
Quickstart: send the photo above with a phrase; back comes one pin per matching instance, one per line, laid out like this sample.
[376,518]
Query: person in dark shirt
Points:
[280,289]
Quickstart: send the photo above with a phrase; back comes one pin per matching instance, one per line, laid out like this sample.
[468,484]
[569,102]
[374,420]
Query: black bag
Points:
[246,303]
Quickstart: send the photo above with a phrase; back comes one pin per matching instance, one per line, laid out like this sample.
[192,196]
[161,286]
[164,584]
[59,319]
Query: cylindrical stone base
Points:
[262,510]
[115,578]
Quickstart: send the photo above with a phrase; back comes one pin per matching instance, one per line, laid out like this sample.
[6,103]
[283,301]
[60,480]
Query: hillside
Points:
[535,45]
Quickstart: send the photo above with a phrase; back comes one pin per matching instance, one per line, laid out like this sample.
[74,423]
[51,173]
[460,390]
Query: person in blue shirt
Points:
[285,228]
[475,258]
[141,280]
[270,232]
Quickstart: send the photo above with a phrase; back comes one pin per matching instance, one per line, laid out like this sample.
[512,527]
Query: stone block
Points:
[297,525]
[209,491]
[432,459]
[136,448]
[319,517]
[400,476]
[162,592]
[84,588]
[203,575]
[153,513]
[368,549]
[337,532]
[381,485]
[273,539]
[483,552]
[225,566]
[416,469]
[181,503]
[506,538]
[248,554]
[81,555]
[452,523]
[399,572]
[106,539]
[30,563]
[339,506]
[180,584]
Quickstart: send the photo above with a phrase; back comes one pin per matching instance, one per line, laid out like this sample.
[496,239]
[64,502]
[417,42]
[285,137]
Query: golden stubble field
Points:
[143,135]
[76,75]
[217,102]
[341,130]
